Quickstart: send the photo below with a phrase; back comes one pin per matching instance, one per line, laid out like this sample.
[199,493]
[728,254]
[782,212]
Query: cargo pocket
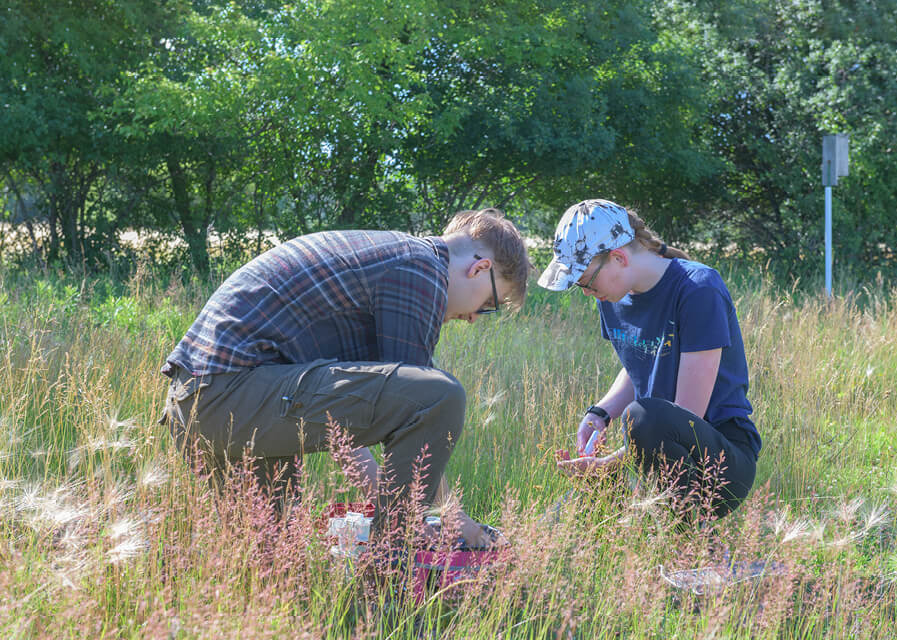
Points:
[347,391]
[296,399]
[292,405]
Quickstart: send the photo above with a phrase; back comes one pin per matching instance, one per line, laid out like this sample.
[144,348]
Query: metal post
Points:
[834,165]
[828,241]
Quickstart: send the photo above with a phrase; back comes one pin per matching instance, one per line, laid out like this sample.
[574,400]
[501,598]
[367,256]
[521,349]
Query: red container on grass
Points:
[340,509]
[436,570]
[432,570]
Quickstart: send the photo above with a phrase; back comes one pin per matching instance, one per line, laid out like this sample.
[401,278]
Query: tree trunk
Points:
[61,203]
[194,230]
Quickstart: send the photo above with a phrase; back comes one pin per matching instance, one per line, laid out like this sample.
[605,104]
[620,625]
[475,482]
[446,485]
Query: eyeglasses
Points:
[483,311]
[592,279]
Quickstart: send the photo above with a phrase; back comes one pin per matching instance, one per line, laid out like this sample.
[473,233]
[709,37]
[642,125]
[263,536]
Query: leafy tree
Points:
[555,101]
[343,88]
[374,114]
[185,112]
[60,62]
[780,77]
[188,116]
[414,112]
[278,119]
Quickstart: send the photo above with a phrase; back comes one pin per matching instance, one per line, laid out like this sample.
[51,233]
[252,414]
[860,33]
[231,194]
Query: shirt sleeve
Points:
[409,307]
[703,321]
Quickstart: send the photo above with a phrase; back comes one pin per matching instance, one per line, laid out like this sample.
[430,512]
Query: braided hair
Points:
[651,240]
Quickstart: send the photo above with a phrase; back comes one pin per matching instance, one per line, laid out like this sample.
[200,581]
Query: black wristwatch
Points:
[601,413]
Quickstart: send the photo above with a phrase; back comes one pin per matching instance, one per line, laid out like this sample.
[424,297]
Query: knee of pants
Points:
[437,402]
[640,426]
[426,406]
[452,403]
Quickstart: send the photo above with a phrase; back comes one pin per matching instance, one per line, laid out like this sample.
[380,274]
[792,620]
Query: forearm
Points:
[616,456]
[618,397]
[471,530]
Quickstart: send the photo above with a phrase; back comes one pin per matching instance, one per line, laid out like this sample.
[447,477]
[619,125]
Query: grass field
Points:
[106,533]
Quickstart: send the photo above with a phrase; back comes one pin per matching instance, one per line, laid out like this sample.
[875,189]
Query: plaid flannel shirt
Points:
[351,295]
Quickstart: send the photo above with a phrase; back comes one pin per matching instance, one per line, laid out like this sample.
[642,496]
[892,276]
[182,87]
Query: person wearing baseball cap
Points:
[681,394]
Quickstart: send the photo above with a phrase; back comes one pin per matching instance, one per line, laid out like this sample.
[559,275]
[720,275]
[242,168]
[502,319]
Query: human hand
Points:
[590,424]
[475,534]
[591,465]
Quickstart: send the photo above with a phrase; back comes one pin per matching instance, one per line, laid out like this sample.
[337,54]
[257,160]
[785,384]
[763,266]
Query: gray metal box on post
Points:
[834,159]
[834,166]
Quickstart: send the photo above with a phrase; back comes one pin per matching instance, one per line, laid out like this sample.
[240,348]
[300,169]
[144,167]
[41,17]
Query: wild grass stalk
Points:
[107,532]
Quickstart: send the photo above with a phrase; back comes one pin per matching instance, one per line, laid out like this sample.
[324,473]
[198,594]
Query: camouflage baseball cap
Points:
[586,229]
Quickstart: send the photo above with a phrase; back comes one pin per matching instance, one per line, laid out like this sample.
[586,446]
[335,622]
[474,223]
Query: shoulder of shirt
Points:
[699,276]
[404,247]
[374,236]
[430,249]
[334,241]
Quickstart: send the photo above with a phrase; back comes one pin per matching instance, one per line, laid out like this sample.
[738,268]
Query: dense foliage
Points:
[180,118]
[780,77]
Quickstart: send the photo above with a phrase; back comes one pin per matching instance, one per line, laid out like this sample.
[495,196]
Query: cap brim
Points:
[558,276]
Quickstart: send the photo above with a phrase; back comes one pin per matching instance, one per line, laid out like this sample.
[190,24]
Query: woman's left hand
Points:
[590,465]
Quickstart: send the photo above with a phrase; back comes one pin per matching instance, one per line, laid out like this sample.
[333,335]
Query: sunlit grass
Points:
[107,533]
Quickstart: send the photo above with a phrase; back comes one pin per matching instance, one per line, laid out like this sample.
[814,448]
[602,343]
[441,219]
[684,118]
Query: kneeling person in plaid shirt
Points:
[343,323]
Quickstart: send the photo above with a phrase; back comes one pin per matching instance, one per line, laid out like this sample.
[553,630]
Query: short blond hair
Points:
[492,229]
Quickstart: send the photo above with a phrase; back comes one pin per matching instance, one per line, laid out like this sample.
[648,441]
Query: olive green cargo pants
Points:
[278,412]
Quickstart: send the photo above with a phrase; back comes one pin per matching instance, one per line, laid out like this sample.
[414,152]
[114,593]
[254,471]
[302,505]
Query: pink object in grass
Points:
[436,570]
[433,570]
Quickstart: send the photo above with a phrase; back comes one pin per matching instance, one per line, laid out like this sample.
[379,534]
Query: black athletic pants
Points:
[717,465]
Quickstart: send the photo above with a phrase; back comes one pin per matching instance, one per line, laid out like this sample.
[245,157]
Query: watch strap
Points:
[601,413]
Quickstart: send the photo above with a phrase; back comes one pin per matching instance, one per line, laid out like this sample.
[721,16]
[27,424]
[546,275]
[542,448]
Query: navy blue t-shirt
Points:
[689,309]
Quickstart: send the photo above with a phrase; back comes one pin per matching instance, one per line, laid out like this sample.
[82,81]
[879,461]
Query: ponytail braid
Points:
[651,240]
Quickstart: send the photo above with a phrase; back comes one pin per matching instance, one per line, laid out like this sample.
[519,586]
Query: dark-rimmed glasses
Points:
[588,285]
[483,311]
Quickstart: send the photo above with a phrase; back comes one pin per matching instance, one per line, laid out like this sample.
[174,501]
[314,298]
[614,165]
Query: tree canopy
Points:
[254,117]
